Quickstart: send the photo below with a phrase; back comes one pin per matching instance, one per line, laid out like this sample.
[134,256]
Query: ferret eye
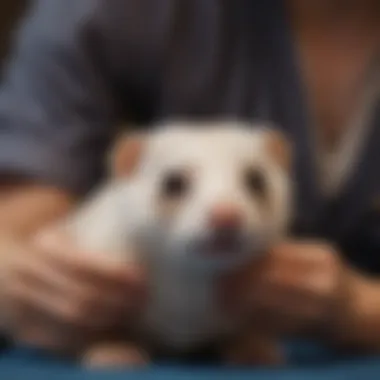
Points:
[175,185]
[255,182]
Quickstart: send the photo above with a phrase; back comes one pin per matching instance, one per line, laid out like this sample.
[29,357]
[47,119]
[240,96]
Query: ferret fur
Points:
[126,219]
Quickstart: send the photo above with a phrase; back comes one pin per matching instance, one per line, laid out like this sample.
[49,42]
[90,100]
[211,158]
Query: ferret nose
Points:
[225,217]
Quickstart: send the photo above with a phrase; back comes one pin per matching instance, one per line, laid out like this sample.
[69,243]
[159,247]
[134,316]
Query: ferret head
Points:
[208,196]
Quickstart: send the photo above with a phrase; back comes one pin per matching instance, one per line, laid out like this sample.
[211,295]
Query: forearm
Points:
[359,324]
[24,208]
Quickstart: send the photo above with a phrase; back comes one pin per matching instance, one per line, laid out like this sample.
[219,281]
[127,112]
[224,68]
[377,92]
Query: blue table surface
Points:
[308,361]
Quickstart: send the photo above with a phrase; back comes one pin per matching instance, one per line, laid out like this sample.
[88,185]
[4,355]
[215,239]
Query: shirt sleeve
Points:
[57,107]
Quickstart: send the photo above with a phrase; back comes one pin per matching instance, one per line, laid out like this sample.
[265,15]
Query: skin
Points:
[307,285]
[336,42]
[53,295]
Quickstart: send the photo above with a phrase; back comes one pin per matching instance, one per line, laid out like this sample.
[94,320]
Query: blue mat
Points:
[362,370]
[308,361]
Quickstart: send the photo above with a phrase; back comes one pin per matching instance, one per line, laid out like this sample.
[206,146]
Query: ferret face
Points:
[213,197]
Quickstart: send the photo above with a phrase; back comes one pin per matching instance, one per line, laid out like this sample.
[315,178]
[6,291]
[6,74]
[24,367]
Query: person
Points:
[81,68]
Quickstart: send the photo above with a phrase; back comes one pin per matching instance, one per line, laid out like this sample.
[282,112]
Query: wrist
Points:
[26,209]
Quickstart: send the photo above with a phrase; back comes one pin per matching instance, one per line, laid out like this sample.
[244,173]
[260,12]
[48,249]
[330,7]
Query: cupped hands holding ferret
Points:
[299,288]
[54,295]
[210,230]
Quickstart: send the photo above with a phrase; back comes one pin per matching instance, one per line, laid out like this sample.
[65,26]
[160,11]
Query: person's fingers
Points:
[23,298]
[48,305]
[270,288]
[41,298]
[45,290]
[39,274]
[90,267]
[302,255]
[35,286]
[292,273]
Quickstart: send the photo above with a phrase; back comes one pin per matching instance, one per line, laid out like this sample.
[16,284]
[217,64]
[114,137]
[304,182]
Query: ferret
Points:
[189,202]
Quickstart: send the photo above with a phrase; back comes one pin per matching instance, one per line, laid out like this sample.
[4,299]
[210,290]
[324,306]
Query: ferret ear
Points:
[279,147]
[126,154]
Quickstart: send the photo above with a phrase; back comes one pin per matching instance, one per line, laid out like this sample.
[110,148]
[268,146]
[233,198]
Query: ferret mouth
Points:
[222,245]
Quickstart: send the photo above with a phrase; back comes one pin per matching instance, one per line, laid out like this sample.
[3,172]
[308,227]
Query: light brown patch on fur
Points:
[114,355]
[126,154]
[279,147]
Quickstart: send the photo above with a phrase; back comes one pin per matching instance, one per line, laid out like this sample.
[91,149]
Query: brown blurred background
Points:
[10,11]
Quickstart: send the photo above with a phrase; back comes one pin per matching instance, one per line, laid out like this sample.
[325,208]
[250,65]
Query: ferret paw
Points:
[114,355]
[262,354]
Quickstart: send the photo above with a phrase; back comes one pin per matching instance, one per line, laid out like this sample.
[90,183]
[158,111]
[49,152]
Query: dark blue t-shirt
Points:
[80,68]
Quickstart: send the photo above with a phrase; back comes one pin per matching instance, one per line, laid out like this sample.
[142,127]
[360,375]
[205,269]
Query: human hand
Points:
[53,295]
[298,287]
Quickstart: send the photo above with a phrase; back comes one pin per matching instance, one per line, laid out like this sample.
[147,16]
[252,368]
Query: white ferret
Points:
[189,202]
